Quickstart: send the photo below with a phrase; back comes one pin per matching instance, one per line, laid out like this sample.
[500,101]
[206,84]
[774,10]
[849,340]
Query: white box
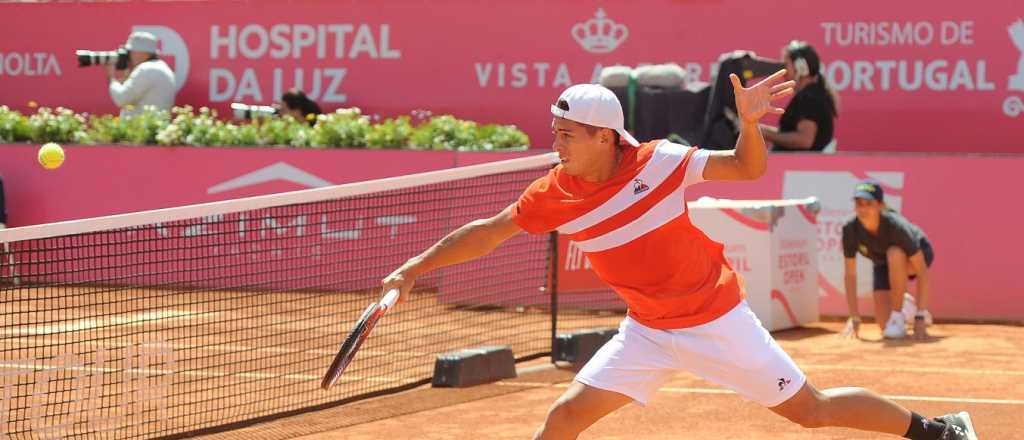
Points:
[773,245]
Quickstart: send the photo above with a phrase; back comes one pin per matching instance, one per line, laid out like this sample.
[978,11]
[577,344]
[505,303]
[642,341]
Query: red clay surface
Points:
[976,368]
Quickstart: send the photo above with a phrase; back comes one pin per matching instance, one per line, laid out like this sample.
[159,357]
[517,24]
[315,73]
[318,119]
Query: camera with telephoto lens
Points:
[117,57]
[247,112]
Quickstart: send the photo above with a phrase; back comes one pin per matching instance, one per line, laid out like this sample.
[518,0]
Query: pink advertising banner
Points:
[961,201]
[103,180]
[912,76]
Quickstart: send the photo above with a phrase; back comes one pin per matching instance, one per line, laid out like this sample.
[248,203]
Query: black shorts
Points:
[882,270]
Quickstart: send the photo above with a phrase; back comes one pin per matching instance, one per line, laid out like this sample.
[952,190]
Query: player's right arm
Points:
[469,242]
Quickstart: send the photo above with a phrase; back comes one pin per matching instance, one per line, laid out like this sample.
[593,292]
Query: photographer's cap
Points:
[141,42]
[595,105]
[868,190]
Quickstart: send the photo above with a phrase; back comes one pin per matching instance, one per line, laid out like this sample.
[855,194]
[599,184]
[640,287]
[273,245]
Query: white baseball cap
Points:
[142,42]
[593,104]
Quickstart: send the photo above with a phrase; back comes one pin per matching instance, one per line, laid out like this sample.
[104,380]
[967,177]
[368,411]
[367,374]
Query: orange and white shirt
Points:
[635,230]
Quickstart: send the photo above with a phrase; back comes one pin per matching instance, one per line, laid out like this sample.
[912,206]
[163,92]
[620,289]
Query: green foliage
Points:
[57,125]
[344,128]
[444,133]
[390,133]
[13,126]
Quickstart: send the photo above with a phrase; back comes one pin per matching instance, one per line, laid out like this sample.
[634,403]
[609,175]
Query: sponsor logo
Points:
[639,186]
[1013,106]
[278,171]
[600,34]
[783,382]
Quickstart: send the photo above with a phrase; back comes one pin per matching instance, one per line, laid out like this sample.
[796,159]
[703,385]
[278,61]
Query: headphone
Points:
[800,65]
[805,60]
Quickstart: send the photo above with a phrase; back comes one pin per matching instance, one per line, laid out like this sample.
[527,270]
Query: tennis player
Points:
[624,207]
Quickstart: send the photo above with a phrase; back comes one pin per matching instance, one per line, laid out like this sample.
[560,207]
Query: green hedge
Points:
[184,126]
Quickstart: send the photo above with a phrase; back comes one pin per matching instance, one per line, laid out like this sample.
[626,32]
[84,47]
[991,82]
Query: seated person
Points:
[807,123]
[296,104]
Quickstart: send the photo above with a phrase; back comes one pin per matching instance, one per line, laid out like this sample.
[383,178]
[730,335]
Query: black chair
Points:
[720,125]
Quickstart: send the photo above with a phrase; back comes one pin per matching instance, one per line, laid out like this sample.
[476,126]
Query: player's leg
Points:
[630,367]
[750,362]
[846,407]
[858,408]
[578,408]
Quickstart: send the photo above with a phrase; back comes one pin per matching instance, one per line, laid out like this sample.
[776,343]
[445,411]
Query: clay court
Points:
[972,367]
[116,362]
[219,322]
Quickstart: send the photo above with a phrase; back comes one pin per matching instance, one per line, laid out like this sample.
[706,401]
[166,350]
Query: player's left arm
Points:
[749,160]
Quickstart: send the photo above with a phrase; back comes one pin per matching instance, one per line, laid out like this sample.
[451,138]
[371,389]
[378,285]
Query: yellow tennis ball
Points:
[51,156]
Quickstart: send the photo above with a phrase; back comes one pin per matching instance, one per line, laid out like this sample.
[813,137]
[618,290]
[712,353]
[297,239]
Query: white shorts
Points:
[733,351]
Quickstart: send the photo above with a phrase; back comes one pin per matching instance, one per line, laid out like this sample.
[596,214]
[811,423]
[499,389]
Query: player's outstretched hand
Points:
[754,102]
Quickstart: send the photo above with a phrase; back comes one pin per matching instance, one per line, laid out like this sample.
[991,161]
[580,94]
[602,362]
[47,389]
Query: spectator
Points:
[807,124]
[296,104]
[149,81]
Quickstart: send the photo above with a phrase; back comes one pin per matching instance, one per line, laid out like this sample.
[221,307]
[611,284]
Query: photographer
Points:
[150,81]
[296,104]
[807,124]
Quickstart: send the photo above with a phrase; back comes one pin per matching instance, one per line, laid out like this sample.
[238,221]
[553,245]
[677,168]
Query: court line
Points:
[908,369]
[35,340]
[520,371]
[123,320]
[149,371]
[684,390]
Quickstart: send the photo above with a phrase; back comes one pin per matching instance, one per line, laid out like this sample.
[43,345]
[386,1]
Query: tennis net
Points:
[177,322]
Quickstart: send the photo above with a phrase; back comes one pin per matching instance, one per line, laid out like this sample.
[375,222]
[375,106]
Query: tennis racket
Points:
[356,337]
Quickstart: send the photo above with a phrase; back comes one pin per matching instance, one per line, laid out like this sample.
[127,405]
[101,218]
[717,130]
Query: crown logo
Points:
[599,34]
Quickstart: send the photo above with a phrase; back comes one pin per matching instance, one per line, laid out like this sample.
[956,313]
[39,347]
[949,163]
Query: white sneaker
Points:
[927,317]
[896,328]
[909,307]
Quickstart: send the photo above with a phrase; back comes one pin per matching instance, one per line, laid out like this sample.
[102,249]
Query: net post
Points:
[553,290]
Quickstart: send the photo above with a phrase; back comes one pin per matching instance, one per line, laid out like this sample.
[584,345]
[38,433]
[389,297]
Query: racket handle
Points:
[389,299]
